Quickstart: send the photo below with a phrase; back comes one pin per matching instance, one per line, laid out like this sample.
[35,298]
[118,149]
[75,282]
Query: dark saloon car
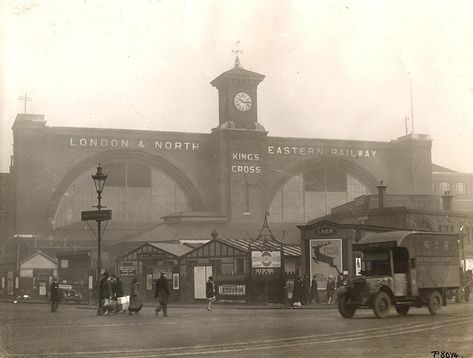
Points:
[71,296]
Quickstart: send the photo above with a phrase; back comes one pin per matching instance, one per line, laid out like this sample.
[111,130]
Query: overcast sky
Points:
[334,69]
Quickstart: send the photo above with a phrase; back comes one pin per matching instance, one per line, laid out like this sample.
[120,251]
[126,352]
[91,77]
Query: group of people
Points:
[111,289]
[306,291]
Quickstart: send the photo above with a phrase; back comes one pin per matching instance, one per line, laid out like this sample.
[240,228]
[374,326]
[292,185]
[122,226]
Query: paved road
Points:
[29,330]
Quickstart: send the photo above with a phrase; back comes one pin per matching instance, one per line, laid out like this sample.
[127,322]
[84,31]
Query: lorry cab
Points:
[392,266]
[404,269]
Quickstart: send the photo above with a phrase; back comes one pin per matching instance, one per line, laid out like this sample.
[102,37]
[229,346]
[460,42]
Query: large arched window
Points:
[313,193]
[135,193]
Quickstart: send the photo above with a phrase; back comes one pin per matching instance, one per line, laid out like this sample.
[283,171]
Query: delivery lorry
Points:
[402,269]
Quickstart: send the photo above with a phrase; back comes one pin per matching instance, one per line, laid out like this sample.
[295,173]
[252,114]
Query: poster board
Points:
[325,258]
[265,259]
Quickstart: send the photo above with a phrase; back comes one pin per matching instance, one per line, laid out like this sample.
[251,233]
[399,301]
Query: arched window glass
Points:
[313,193]
[135,193]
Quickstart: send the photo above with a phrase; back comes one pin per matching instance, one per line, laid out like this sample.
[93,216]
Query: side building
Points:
[326,242]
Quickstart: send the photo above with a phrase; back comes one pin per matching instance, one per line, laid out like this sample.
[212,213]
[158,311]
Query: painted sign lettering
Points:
[123,143]
[243,163]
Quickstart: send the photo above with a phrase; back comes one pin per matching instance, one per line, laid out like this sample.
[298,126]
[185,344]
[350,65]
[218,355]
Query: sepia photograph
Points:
[236,178]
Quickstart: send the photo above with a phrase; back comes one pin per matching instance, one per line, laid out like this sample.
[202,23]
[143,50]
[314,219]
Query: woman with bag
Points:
[135,300]
[105,295]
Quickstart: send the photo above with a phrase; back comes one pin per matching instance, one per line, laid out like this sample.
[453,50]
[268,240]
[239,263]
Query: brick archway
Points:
[153,161]
[348,167]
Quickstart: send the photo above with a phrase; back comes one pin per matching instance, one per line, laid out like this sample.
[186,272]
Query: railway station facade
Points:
[165,186]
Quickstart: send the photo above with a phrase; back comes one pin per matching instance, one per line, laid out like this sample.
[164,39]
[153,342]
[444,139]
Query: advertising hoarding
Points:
[325,260]
[265,259]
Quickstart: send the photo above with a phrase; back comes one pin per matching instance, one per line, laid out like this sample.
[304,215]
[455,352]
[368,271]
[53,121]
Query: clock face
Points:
[242,101]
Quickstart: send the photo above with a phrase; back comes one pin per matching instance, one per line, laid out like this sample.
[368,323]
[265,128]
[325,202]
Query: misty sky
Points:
[334,69]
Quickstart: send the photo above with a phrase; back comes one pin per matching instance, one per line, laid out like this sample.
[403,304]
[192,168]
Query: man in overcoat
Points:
[314,294]
[163,294]
[55,295]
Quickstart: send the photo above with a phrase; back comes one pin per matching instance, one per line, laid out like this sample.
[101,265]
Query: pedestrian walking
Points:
[118,291]
[55,295]
[330,290]
[468,279]
[163,294]
[210,292]
[105,295]
[339,283]
[298,292]
[306,289]
[314,290]
[135,299]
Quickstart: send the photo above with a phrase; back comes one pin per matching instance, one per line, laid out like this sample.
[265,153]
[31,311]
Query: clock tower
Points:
[237,98]
[240,142]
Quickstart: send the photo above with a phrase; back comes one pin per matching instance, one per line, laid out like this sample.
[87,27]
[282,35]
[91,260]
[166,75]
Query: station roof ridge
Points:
[177,249]
[244,245]
[37,252]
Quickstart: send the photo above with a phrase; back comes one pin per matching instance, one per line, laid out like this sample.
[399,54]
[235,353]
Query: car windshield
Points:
[376,263]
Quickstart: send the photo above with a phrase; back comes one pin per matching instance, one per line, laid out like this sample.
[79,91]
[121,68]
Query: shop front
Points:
[146,264]
[243,270]
[36,274]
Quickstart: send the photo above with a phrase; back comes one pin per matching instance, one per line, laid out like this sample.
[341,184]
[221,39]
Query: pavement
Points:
[202,305]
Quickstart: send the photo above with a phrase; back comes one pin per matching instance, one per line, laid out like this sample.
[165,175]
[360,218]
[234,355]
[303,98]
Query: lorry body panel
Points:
[434,257]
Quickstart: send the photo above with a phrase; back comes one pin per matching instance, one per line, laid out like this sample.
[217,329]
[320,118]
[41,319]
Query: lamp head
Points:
[99,179]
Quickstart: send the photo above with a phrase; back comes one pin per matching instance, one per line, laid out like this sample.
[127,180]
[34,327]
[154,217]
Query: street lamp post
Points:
[462,247]
[99,181]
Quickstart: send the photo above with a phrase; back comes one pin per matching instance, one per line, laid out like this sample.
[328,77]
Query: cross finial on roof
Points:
[237,51]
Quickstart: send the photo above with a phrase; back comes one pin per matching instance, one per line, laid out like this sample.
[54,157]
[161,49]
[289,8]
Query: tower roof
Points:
[237,74]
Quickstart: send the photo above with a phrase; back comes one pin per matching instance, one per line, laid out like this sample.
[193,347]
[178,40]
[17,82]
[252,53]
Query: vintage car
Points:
[71,296]
[402,268]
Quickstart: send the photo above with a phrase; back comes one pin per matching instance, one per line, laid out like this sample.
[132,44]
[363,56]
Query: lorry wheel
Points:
[382,305]
[434,302]
[345,308]
[402,310]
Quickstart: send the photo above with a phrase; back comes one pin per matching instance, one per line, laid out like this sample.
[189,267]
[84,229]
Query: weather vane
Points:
[237,51]
[26,99]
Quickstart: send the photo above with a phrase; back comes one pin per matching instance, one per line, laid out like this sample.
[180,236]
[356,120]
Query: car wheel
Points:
[345,307]
[382,305]
[434,302]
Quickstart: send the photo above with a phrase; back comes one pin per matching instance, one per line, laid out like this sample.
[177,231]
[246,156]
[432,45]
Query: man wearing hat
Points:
[162,291]
[55,295]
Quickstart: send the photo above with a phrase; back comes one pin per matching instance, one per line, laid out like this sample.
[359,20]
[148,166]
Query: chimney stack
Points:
[381,191]
[447,201]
